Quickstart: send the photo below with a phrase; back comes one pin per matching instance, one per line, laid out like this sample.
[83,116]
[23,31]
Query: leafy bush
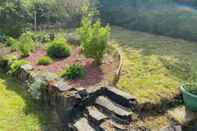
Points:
[192,88]
[58,49]
[15,66]
[26,44]
[73,72]
[37,86]
[13,43]
[94,39]
[44,60]
[41,37]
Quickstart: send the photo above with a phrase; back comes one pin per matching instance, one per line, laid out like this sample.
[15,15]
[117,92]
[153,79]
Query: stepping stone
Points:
[83,125]
[112,108]
[182,115]
[61,85]
[172,128]
[121,97]
[95,114]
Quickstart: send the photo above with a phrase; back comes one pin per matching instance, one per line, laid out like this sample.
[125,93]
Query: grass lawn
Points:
[18,112]
[154,66]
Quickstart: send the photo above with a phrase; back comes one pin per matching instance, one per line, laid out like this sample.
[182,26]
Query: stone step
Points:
[120,97]
[113,110]
[171,128]
[95,115]
[83,125]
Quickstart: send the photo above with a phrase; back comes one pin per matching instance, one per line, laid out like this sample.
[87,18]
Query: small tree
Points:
[93,37]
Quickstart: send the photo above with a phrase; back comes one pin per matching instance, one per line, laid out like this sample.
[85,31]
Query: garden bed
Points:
[94,74]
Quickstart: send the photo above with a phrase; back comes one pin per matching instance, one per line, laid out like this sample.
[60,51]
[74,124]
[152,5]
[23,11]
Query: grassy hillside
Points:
[154,66]
[17,111]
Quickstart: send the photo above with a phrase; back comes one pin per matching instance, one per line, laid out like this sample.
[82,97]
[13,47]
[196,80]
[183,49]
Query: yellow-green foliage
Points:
[44,60]
[18,111]
[26,44]
[94,38]
[153,66]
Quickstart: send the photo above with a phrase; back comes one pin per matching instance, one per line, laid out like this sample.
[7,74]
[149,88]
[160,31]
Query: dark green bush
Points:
[73,72]
[15,66]
[58,49]
[44,60]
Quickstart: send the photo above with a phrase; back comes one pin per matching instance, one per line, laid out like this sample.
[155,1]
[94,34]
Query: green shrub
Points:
[26,44]
[15,66]
[94,39]
[73,72]
[192,88]
[13,43]
[39,84]
[44,60]
[58,49]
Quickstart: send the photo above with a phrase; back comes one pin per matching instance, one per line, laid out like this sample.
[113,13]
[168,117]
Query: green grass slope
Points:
[17,111]
[154,66]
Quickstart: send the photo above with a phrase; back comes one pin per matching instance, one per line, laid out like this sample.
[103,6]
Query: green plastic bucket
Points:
[190,99]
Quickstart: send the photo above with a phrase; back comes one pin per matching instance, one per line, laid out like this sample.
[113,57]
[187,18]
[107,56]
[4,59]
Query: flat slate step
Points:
[110,107]
[121,97]
[83,125]
[172,128]
[95,115]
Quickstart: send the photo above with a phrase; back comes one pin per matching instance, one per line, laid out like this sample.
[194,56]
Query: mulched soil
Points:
[94,74]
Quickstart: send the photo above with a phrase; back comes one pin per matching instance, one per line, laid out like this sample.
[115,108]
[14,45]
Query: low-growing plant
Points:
[37,86]
[44,60]
[26,45]
[58,49]
[15,66]
[73,72]
[10,59]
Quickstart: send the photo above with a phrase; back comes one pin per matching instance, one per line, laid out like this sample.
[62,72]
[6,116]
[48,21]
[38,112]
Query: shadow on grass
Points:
[36,108]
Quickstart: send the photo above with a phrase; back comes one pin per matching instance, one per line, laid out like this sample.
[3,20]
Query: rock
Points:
[24,73]
[182,115]
[172,128]
[83,125]
[60,85]
[27,67]
[114,109]
[121,97]
[95,115]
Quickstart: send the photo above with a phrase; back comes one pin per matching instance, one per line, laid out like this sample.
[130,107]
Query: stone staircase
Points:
[111,110]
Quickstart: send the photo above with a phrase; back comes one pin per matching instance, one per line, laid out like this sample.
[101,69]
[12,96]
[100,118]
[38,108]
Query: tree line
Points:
[16,16]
